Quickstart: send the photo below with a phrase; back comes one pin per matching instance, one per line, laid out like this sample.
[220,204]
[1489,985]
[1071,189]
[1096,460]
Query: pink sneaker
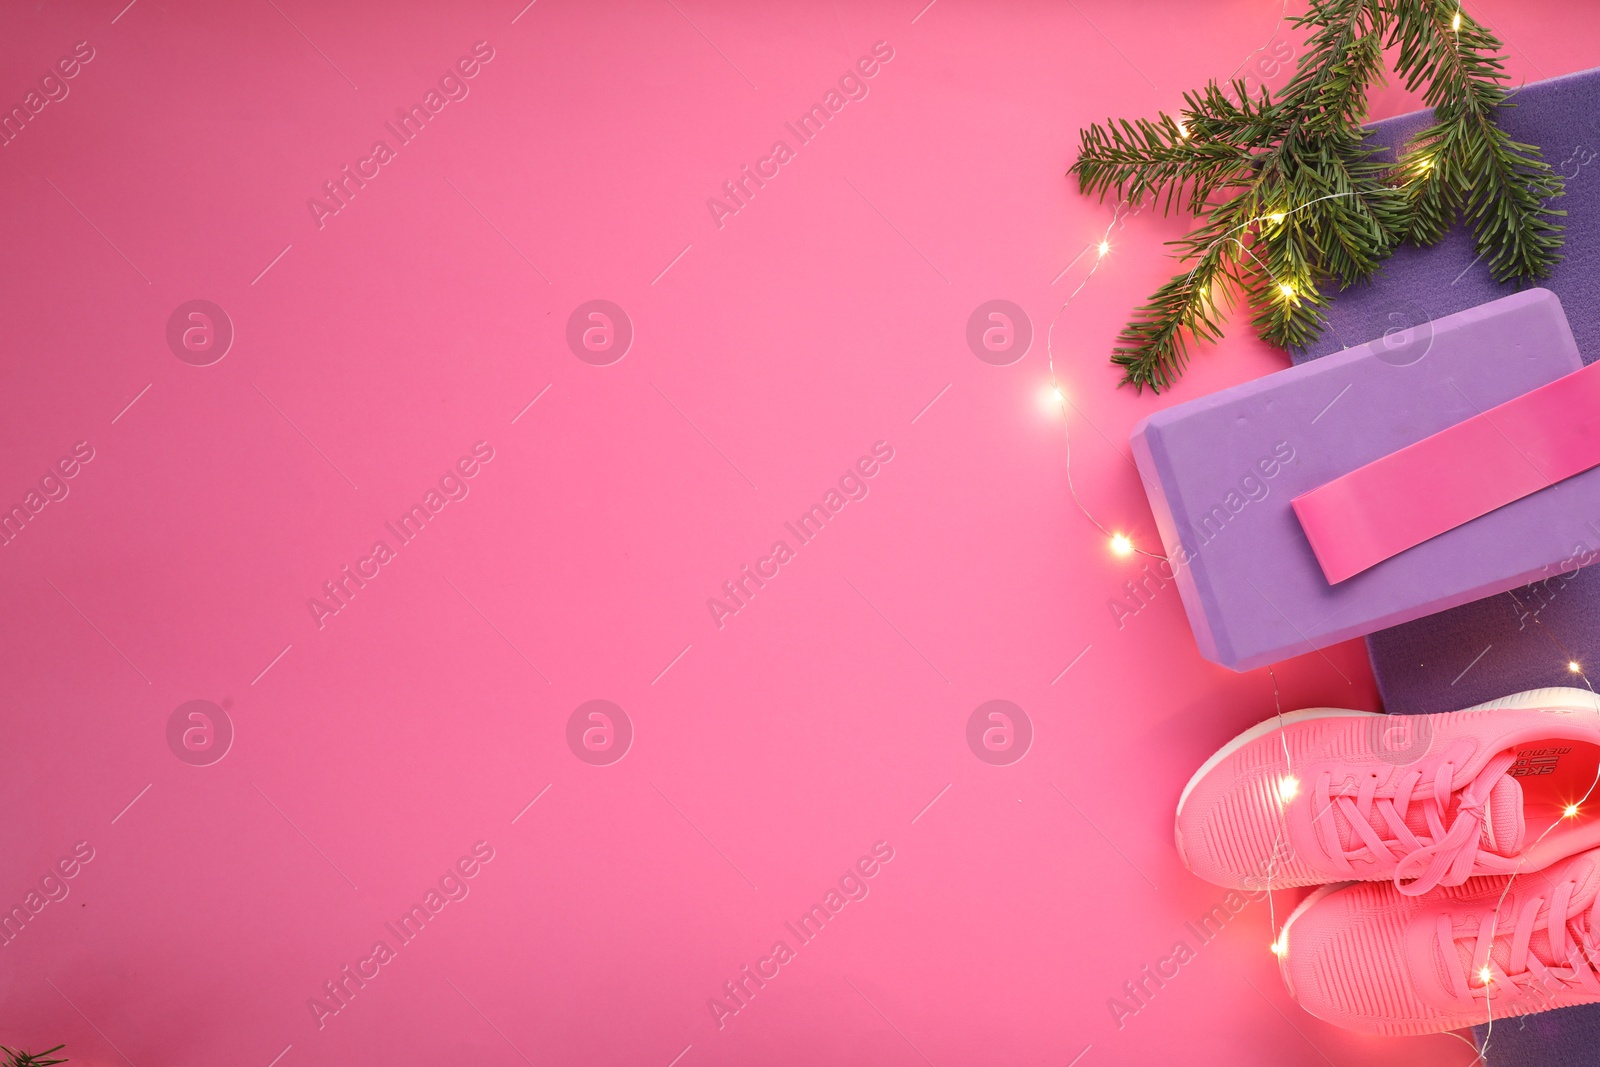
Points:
[1368,958]
[1425,800]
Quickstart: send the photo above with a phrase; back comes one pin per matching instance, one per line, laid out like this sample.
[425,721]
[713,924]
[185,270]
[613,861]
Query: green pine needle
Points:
[1290,199]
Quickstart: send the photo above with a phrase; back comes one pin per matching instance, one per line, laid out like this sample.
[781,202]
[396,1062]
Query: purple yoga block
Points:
[1220,472]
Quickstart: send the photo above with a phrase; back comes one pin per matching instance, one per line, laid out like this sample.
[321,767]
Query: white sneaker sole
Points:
[1555,696]
[1300,909]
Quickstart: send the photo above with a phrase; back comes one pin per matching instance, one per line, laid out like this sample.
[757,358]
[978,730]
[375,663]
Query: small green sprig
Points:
[1291,199]
[15,1058]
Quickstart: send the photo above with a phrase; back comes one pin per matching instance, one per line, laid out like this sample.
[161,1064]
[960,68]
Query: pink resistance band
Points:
[1451,478]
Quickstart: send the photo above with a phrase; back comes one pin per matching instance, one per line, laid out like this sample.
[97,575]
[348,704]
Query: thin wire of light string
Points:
[1117,219]
[1277,846]
[1101,249]
[1482,1053]
[1488,1000]
[1281,843]
[1282,13]
[1287,289]
[1277,703]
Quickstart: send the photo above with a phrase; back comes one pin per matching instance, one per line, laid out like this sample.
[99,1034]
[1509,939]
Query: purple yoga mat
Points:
[1503,644]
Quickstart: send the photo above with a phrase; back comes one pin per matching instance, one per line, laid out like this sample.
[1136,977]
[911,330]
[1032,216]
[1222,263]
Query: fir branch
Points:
[1212,117]
[1153,348]
[1143,159]
[1291,198]
[14,1058]
[1499,185]
[1343,58]
[1282,285]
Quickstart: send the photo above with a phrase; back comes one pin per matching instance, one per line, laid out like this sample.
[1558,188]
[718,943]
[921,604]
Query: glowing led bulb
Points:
[1276,217]
[1455,23]
[1571,811]
[1058,393]
[1485,975]
[1121,545]
[1288,788]
[1183,131]
[1279,947]
[1287,289]
[1574,667]
[1105,246]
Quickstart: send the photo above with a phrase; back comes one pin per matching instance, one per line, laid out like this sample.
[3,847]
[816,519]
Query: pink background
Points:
[769,354]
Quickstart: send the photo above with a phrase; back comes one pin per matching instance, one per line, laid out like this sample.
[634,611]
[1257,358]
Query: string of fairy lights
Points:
[1420,164]
[1288,786]
[1122,545]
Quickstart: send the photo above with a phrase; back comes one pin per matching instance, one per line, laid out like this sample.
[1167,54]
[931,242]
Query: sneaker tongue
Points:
[1503,826]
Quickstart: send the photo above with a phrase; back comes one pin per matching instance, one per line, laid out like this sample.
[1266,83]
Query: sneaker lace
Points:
[1567,963]
[1446,855]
